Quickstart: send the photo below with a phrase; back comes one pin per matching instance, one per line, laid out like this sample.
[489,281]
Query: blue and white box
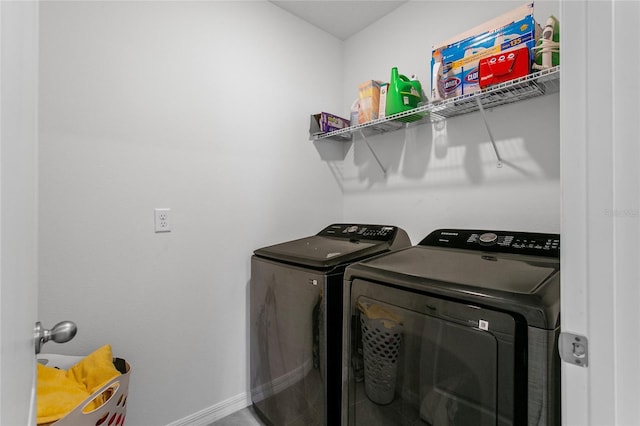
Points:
[454,62]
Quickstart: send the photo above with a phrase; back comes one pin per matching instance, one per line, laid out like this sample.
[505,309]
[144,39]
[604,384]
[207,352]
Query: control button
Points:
[488,239]
[352,228]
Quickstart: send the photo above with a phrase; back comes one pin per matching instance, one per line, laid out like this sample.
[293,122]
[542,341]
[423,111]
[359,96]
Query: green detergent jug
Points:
[403,95]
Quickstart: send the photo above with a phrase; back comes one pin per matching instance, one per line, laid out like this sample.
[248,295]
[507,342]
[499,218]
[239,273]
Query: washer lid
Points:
[322,252]
[337,244]
[527,285]
[476,270]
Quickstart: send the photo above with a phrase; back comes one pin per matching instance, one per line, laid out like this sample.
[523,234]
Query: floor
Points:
[244,417]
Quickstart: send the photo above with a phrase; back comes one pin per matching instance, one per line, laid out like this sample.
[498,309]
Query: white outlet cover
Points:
[162,220]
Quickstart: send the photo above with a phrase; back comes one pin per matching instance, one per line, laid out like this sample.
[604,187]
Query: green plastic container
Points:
[403,95]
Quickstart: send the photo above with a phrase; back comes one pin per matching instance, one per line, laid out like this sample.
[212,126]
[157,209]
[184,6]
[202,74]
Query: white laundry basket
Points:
[112,412]
[381,339]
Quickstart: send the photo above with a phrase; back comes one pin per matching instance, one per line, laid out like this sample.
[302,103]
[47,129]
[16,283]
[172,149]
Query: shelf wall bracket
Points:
[493,142]
[366,141]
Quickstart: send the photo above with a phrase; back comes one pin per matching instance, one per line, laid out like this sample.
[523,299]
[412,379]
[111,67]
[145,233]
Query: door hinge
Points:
[574,349]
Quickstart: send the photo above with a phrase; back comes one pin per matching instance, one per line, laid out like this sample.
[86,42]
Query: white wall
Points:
[201,107]
[448,177]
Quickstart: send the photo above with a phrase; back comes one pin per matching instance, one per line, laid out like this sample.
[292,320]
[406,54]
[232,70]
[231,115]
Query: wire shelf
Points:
[535,84]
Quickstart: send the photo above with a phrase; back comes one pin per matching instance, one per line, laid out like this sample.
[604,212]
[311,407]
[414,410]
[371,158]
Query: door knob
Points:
[60,333]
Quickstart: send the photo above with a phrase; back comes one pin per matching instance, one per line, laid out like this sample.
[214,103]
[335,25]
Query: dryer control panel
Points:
[360,232]
[529,243]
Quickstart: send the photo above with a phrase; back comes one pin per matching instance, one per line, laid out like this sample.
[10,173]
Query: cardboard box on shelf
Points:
[325,123]
[369,97]
[382,105]
[504,66]
[455,62]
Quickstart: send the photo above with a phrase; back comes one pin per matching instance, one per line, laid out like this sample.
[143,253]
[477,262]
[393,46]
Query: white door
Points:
[18,209]
[600,154]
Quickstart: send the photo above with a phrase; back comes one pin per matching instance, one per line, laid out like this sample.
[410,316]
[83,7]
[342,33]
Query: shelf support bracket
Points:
[493,142]
[366,141]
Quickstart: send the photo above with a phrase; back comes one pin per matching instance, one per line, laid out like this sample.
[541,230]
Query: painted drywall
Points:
[447,176]
[18,203]
[201,107]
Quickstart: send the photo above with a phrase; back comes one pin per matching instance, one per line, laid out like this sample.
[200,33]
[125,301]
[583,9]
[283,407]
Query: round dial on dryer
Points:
[352,228]
[488,239]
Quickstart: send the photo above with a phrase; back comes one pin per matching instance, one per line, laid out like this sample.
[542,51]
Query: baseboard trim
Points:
[215,412]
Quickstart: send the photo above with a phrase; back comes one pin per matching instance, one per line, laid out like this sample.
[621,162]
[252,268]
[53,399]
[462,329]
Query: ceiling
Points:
[339,18]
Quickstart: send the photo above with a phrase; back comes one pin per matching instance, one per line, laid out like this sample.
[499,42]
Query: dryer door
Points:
[425,360]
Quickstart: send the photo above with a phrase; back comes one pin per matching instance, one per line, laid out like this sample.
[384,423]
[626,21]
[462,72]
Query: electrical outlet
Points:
[163,220]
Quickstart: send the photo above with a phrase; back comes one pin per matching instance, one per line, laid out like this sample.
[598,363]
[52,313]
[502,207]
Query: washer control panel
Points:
[360,232]
[530,243]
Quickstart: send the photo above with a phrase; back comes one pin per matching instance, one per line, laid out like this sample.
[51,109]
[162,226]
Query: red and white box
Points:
[504,66]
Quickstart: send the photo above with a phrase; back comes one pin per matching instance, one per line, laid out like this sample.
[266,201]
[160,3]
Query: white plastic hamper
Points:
[380,346]
[111,413]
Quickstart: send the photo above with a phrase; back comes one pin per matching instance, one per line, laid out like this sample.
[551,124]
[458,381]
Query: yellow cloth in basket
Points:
[374,311]
[60,391]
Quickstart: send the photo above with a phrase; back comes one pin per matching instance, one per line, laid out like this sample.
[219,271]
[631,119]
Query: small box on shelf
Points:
[326,123]
[504,67]
[369,101]
[382,105]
